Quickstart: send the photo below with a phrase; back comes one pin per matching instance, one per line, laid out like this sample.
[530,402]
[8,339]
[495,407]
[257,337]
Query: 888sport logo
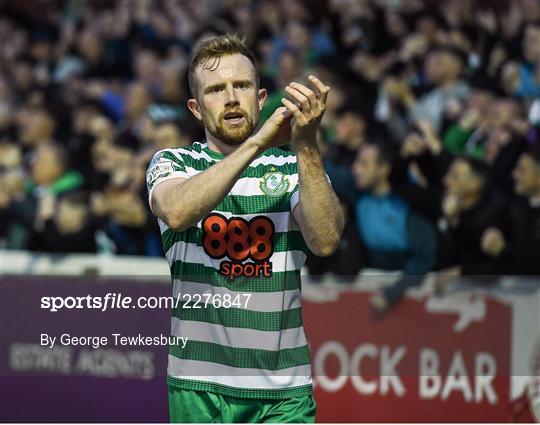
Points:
[239,240]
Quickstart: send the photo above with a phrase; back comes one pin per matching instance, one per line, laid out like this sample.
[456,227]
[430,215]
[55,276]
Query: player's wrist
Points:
[305,147]
[257,145]
[309,156]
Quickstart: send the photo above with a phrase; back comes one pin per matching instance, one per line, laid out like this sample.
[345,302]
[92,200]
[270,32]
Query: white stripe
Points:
[192,253]
[239,377]
[249,186]
[162,225]
[258,301]
[273,160]
[193,171]
[238,337]
[295,198]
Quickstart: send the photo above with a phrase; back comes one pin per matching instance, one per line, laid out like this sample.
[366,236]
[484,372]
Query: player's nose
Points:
[230,99]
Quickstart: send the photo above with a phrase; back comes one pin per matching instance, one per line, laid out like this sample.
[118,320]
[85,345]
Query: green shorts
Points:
[199,406]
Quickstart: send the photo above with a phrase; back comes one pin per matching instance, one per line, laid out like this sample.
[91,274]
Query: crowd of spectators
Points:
[431,135]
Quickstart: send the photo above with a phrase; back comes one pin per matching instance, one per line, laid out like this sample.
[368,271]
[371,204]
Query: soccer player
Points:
[236,214]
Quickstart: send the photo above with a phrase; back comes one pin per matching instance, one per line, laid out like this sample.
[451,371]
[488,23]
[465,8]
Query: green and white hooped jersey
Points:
[237,273]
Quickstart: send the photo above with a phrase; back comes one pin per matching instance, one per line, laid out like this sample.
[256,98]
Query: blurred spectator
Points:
[121,205]
[442,70]
[49,171]
[169,135]
[24,196]
[460,197]
[394,236]
[290,68]
[466,135]
[468,211]
[64,225]
[350,134]
[519,245]
[526,84]
[36,126]
[16,209]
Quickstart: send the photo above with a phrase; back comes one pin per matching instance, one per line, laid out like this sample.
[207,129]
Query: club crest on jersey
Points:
[274,183]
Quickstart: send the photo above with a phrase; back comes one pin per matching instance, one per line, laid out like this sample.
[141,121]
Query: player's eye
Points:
[216,89]
[241,86]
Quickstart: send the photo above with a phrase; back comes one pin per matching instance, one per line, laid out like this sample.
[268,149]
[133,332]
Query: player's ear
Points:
[263,94]
[194,107]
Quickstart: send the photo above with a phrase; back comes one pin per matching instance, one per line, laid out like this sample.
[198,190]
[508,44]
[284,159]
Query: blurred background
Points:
[431,138]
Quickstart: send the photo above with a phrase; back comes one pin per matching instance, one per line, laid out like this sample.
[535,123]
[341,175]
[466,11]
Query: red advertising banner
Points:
[428,360]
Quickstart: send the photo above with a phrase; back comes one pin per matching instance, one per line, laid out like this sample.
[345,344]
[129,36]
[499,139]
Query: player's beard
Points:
[233,134]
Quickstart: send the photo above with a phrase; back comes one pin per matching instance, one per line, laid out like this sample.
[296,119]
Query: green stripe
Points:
[242,357]
[283,241]
[171,156]
[255,204]
[268,321]
[197,147]
[198,273]
[252,393]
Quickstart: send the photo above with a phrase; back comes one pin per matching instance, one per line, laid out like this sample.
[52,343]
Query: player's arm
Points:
[318,212]
[182,202]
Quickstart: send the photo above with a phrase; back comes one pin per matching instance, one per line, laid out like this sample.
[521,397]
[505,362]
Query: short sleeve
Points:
[165,165]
